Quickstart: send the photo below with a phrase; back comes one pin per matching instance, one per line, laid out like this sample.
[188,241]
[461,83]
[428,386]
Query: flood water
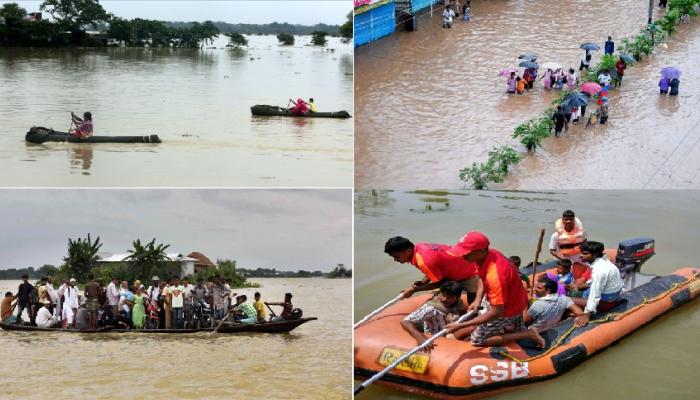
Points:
[197,101]
[430,102]
[193,366]
[658,361]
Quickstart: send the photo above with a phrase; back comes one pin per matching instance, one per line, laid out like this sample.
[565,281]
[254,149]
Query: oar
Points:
[359,388]
[377,311]
[271,311]
[534,263]
[221,322]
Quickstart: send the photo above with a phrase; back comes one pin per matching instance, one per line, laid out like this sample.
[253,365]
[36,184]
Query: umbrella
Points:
[508,71]
[576,99]
[551,65]
[671,72]
[528,57]
[627,58]
[528,64]
[590,46]
[590,88]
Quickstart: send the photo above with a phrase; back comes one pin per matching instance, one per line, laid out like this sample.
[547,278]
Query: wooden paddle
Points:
[221,322]
[534,263]
[377,311]
[271,311]
[359,388]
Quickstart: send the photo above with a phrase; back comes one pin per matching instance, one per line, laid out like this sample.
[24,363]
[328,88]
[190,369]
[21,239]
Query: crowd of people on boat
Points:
[165,304]
[585,282]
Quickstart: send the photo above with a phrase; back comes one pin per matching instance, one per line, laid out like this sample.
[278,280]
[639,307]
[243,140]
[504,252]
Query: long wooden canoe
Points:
[230,327]
[39,135]
[269,111]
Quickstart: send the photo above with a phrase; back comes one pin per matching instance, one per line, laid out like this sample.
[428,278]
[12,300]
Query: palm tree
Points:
[82,256]
[145,259]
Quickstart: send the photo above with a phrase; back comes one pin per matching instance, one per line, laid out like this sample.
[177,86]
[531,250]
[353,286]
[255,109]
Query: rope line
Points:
[607,318]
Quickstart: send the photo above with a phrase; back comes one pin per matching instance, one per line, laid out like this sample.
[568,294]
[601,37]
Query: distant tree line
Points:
[72,17]
[339,272]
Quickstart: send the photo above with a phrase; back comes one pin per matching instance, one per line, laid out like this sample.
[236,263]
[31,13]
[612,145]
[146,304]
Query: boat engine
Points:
[631,254]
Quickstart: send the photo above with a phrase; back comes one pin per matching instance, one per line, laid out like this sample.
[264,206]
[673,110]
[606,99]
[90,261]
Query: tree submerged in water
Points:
[340,272]
[493,170]
[318,38]
[285,39]
[236,39]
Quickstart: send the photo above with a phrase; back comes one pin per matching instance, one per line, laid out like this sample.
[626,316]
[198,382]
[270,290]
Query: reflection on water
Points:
[194,366]
[197,101]
[512,221]
[81,158]
[429,103]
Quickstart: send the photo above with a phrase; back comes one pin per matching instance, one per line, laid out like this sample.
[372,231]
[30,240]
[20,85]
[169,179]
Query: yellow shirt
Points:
[260,308]
[312,106]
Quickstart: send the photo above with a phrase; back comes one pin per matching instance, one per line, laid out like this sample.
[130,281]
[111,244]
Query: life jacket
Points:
[436,304]
[569,241]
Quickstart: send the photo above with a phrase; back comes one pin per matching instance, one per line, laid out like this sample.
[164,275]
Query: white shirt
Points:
[447,15]
[605,279]
[112,294]
[604,79]
[44,319]
[51,292]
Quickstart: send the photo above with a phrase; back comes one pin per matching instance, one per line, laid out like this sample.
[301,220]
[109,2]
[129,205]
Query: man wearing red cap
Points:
[503,323]
[437,265]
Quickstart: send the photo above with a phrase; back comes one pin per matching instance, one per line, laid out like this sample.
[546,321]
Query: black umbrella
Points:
[576,99]
[528,57]
[590,46]
[528,64]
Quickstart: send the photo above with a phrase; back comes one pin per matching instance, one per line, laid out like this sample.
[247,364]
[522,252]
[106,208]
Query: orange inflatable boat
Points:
[457,370]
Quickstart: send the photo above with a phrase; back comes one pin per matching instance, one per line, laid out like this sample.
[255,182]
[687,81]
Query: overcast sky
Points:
[284,229]
[251,12]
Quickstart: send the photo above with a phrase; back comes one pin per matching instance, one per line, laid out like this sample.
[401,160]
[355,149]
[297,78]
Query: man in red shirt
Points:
[437,266]
[503,322]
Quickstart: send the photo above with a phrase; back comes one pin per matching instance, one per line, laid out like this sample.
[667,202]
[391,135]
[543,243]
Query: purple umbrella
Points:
[507,71]
[670,72]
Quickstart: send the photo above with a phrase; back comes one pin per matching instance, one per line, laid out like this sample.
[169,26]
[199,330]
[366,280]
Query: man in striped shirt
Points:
[435,314]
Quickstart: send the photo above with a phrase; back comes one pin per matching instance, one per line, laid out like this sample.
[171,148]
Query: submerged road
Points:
[429,103]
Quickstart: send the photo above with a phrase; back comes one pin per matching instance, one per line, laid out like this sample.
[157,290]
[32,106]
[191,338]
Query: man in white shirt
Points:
[70,304]
[113,296]
[53,295]
[447,16]
[44,319]
[606,283]
[604,79]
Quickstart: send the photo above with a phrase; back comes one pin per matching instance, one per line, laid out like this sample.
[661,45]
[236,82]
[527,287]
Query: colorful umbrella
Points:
[627,58]
[528,64]
[551,65]
[528,56]
[671,72]
[575,99]
[590,88]
[590,46]
[508,71]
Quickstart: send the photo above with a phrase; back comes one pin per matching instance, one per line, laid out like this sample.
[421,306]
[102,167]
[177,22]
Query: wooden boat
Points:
[232,327]
[268,111]
[457,370]
[39,135]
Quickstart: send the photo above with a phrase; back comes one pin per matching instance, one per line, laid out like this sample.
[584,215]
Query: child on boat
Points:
[436,313]
[563,277]
[287,308]
[515,260]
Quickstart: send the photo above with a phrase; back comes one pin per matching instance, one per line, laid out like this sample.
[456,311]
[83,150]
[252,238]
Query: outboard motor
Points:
[631,254]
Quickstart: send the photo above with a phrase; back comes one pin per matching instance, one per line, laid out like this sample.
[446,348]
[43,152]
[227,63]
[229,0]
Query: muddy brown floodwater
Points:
[429,103]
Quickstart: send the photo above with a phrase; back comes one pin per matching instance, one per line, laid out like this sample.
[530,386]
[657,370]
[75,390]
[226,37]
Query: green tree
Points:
[227,269]
[346,30]
[82,256]
[340,272]
[236,39]
[318,38]
[147,259]
[285,39]
[73,15]
[12,18]
[12,13]
[47,270]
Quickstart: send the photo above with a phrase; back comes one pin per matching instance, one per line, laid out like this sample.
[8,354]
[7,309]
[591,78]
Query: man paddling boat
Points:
[503,322]
[83,126]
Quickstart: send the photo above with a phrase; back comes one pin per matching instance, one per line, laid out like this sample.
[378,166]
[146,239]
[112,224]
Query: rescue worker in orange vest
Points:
[567,237]
[503,322]
[437,265]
